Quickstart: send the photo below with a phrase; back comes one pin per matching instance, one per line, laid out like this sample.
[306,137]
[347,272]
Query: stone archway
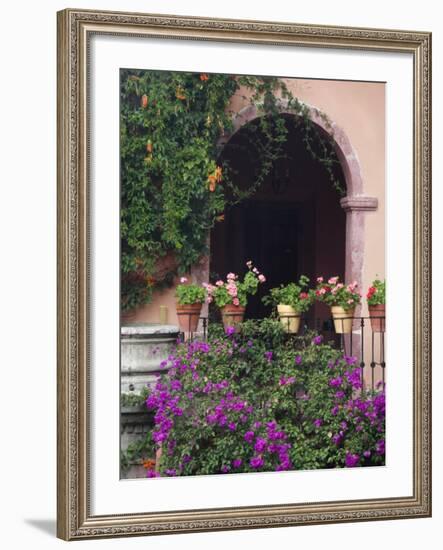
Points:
[356,203]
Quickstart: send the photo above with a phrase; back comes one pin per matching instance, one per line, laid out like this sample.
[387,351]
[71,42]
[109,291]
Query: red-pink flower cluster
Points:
[371,292]
[336,292]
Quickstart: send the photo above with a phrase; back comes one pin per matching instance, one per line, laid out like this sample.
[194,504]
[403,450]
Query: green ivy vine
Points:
[174,184]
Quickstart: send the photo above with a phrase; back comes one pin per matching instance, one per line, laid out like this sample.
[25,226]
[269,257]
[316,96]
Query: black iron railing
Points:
[359,337]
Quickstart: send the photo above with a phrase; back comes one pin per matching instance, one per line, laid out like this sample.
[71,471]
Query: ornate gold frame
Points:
[74,30]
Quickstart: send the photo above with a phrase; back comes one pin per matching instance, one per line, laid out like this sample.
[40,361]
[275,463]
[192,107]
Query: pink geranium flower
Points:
[232,289]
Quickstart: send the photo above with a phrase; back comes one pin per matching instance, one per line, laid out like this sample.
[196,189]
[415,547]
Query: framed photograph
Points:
[237,203]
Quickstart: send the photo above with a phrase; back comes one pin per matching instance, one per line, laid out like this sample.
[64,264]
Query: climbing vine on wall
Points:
[174,185]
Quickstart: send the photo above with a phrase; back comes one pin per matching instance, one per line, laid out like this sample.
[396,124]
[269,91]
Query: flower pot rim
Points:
[290,309]
[341,308]
[232,306]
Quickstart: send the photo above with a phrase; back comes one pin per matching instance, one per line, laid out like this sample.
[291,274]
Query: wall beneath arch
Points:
[358,109]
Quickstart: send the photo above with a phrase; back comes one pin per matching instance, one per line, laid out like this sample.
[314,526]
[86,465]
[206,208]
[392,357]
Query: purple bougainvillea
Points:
[246,403]
[351,460]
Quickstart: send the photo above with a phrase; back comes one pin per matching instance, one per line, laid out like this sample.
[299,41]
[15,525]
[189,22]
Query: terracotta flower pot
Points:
[377,314]
[232,315]
[289,318]
[343,319]
[188,316]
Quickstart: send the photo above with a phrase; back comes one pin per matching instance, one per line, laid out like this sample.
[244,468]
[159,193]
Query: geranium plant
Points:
[376,293]
[233,290]
[188,293]
[296,295]
[335,293]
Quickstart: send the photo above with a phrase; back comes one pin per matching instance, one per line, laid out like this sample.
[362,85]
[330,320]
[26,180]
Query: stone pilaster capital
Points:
[359,203]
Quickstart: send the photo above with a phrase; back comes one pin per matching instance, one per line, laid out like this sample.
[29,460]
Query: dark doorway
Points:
[287,230]
[267,233]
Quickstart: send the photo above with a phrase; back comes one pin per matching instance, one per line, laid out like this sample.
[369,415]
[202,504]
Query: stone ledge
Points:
[148,366]
[135,383]
[144,340]
[148,330]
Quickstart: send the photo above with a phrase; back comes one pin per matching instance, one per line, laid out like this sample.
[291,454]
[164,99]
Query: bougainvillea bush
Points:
[251,400]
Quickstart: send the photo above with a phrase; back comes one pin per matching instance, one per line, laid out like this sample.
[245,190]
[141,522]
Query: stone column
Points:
[355,207]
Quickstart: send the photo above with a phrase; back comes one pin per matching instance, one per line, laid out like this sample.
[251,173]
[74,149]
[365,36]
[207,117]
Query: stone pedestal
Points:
[143,348]
[135,425]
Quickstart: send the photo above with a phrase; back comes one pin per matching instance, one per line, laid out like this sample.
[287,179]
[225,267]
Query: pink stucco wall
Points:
[358,108]
[358,111]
